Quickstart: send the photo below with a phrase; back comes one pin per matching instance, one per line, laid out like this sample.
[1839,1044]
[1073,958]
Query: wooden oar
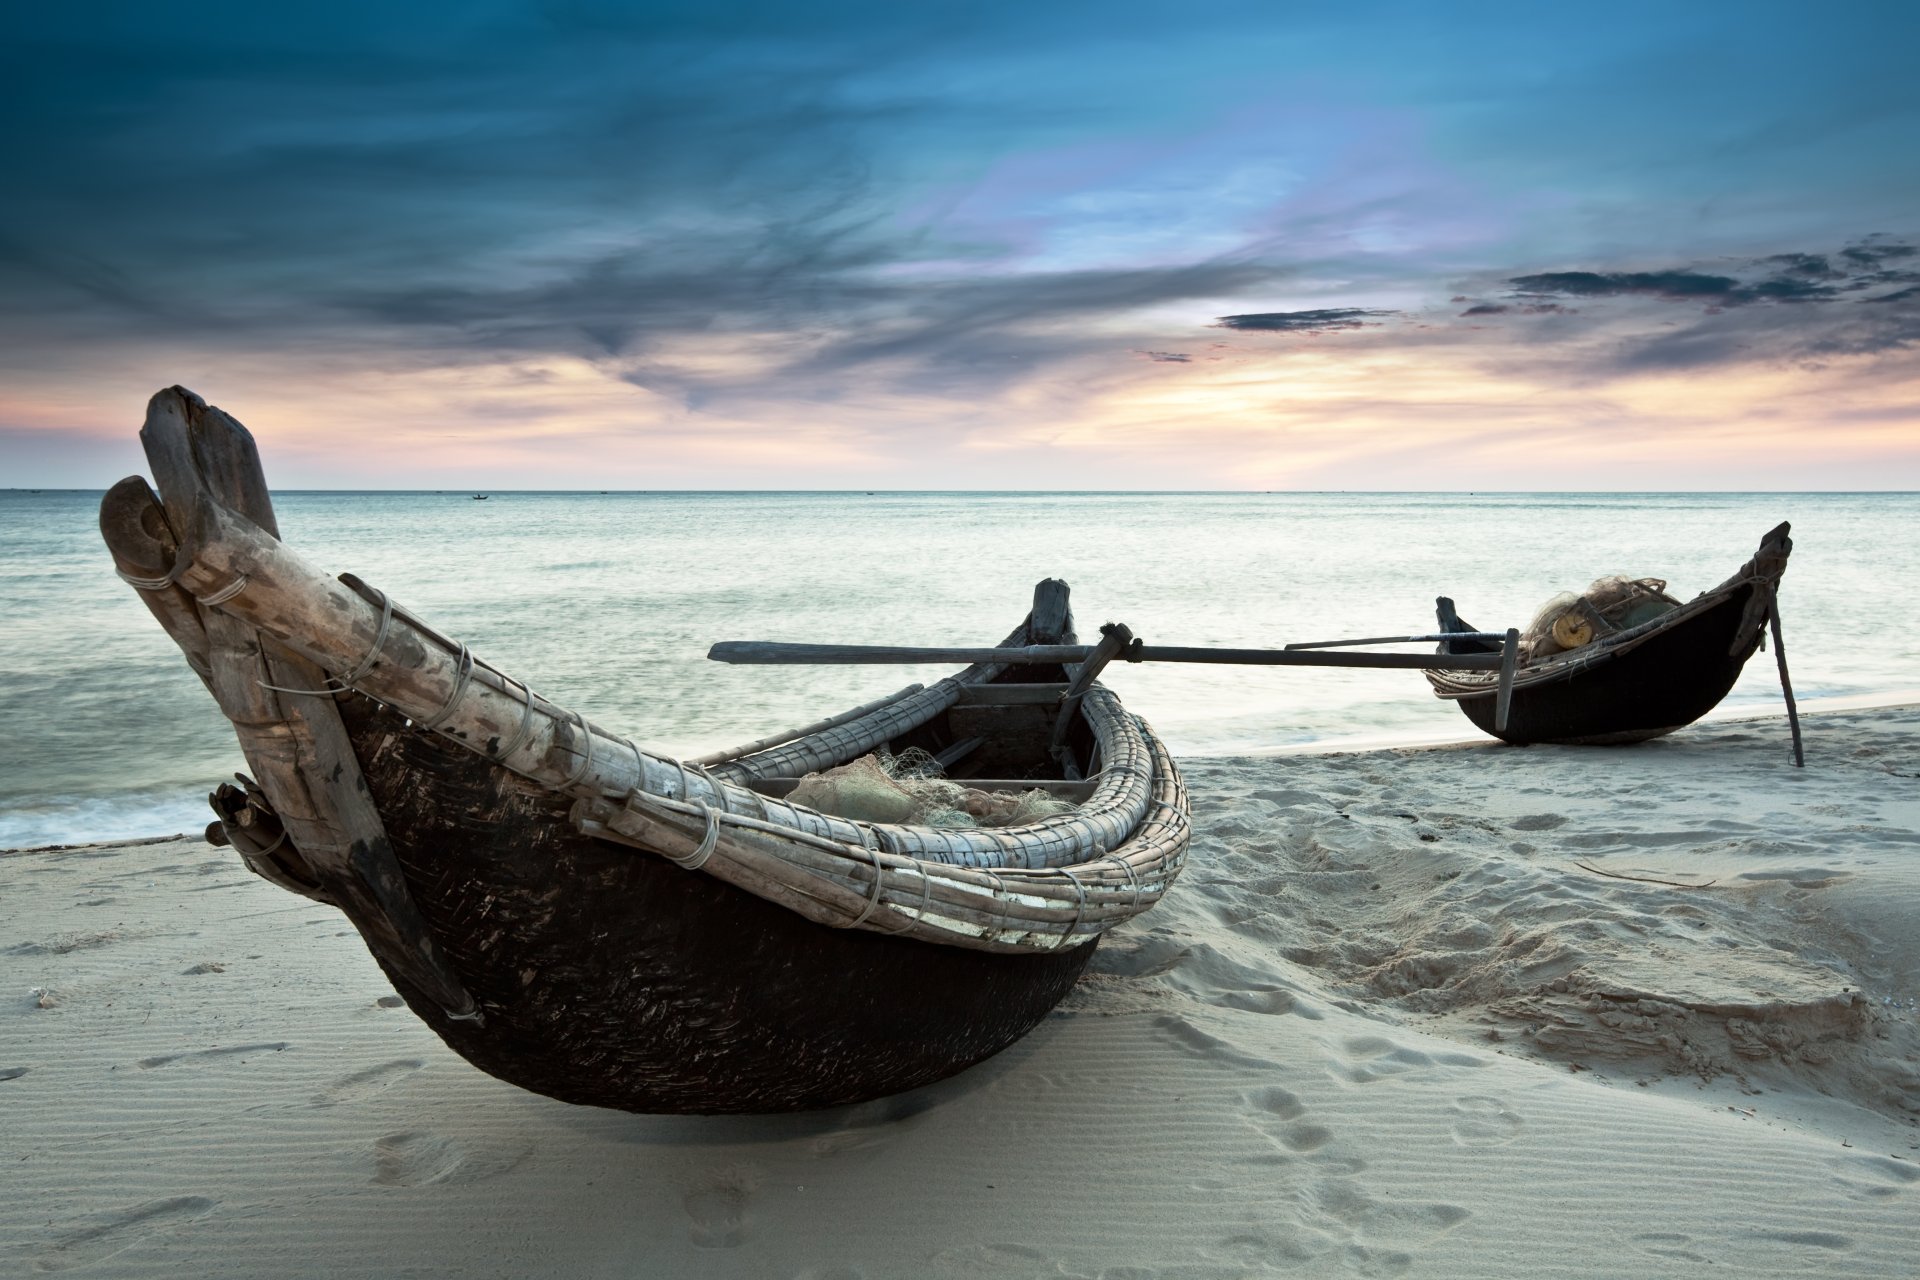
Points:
[1448,635]
[778,653]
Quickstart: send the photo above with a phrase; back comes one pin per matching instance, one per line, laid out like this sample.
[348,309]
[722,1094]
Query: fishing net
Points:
[1612,604]
[910,787]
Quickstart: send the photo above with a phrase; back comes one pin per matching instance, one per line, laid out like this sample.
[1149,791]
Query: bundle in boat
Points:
[1624,661]
[607,925]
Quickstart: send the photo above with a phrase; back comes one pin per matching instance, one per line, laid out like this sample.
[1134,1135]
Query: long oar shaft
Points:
[777,653]
[1495,636]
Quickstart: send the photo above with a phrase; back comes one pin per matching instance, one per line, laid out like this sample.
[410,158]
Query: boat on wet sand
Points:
[1627,683]
[611,926]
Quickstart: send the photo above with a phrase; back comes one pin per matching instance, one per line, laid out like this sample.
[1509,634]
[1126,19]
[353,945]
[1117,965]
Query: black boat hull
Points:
[1666,683]
[613,978]
[1635,684]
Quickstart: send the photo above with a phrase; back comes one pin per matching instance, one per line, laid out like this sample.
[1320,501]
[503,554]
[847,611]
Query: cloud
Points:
[1683,285]
[1525,309]
[1790,307]
[1674,285]
[1322,321]
[1876,250]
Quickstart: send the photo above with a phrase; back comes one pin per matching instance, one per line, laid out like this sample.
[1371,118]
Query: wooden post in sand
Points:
[1509,665]
[1786,684]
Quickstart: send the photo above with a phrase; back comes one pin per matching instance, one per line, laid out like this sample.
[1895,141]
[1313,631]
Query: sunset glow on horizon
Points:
[587,245]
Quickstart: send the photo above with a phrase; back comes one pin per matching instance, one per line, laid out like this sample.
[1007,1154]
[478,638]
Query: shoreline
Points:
[1893,700]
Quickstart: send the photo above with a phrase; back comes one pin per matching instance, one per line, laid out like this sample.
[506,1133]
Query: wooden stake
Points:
[1509,664]
[1114,639]
[1786,684]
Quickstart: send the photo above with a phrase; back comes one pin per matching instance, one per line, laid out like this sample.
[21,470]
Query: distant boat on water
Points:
[481,497]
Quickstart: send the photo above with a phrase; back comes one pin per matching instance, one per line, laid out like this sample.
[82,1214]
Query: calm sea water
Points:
[608,602]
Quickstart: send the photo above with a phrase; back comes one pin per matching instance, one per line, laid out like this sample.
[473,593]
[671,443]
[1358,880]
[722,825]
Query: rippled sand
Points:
[1479,1011]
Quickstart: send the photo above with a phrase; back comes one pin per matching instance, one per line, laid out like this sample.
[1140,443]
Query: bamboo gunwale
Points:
[420,675]
[1002,909]
[1043,886]
[805,730]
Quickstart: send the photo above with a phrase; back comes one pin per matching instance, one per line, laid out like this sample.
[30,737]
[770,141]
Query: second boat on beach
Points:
[1636,669]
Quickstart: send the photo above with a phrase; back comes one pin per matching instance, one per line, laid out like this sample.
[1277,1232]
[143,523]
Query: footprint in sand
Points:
[1484,1122]
[200,1057]
[100,1236]
[1667,1244]
[1386,1220]
[362,1085]
[1876,1177]
[1276,1114]
[996,1259]
[716,1207]
[1811,1239]
[1370,1058]
[416,1158]
[1191,1038]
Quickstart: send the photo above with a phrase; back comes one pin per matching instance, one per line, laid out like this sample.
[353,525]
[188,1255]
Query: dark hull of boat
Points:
[616,979]
[1664,683]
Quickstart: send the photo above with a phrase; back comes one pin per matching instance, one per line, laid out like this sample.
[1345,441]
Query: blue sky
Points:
[852,245]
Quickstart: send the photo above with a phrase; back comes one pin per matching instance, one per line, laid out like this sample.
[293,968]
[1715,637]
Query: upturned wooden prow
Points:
[331,843]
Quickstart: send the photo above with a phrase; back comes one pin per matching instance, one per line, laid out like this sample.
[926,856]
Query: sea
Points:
[607,602]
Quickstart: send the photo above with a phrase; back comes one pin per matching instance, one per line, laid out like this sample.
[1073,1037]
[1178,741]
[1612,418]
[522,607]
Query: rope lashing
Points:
[341,684]
[259,853]
[225,593]
[145,584]
[373,651]
[1133,877]
[526,726]
[586,754]
[1079,906]
[463,674]
[873,902]
[926,896]
[704,850]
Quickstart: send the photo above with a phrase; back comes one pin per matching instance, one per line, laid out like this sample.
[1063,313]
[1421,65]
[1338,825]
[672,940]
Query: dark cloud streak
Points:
[1326,320]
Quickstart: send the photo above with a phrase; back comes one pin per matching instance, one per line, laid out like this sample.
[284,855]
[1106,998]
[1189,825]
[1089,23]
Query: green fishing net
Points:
[1610,605]
[910,788]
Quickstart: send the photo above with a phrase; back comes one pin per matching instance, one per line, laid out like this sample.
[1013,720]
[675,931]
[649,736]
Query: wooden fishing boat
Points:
[1631,684]
[607,925]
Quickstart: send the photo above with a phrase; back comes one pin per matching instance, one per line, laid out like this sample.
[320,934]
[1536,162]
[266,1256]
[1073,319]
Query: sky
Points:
[587,244]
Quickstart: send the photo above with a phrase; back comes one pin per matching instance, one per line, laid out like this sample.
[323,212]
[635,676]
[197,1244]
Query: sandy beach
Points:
[1470,1011]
